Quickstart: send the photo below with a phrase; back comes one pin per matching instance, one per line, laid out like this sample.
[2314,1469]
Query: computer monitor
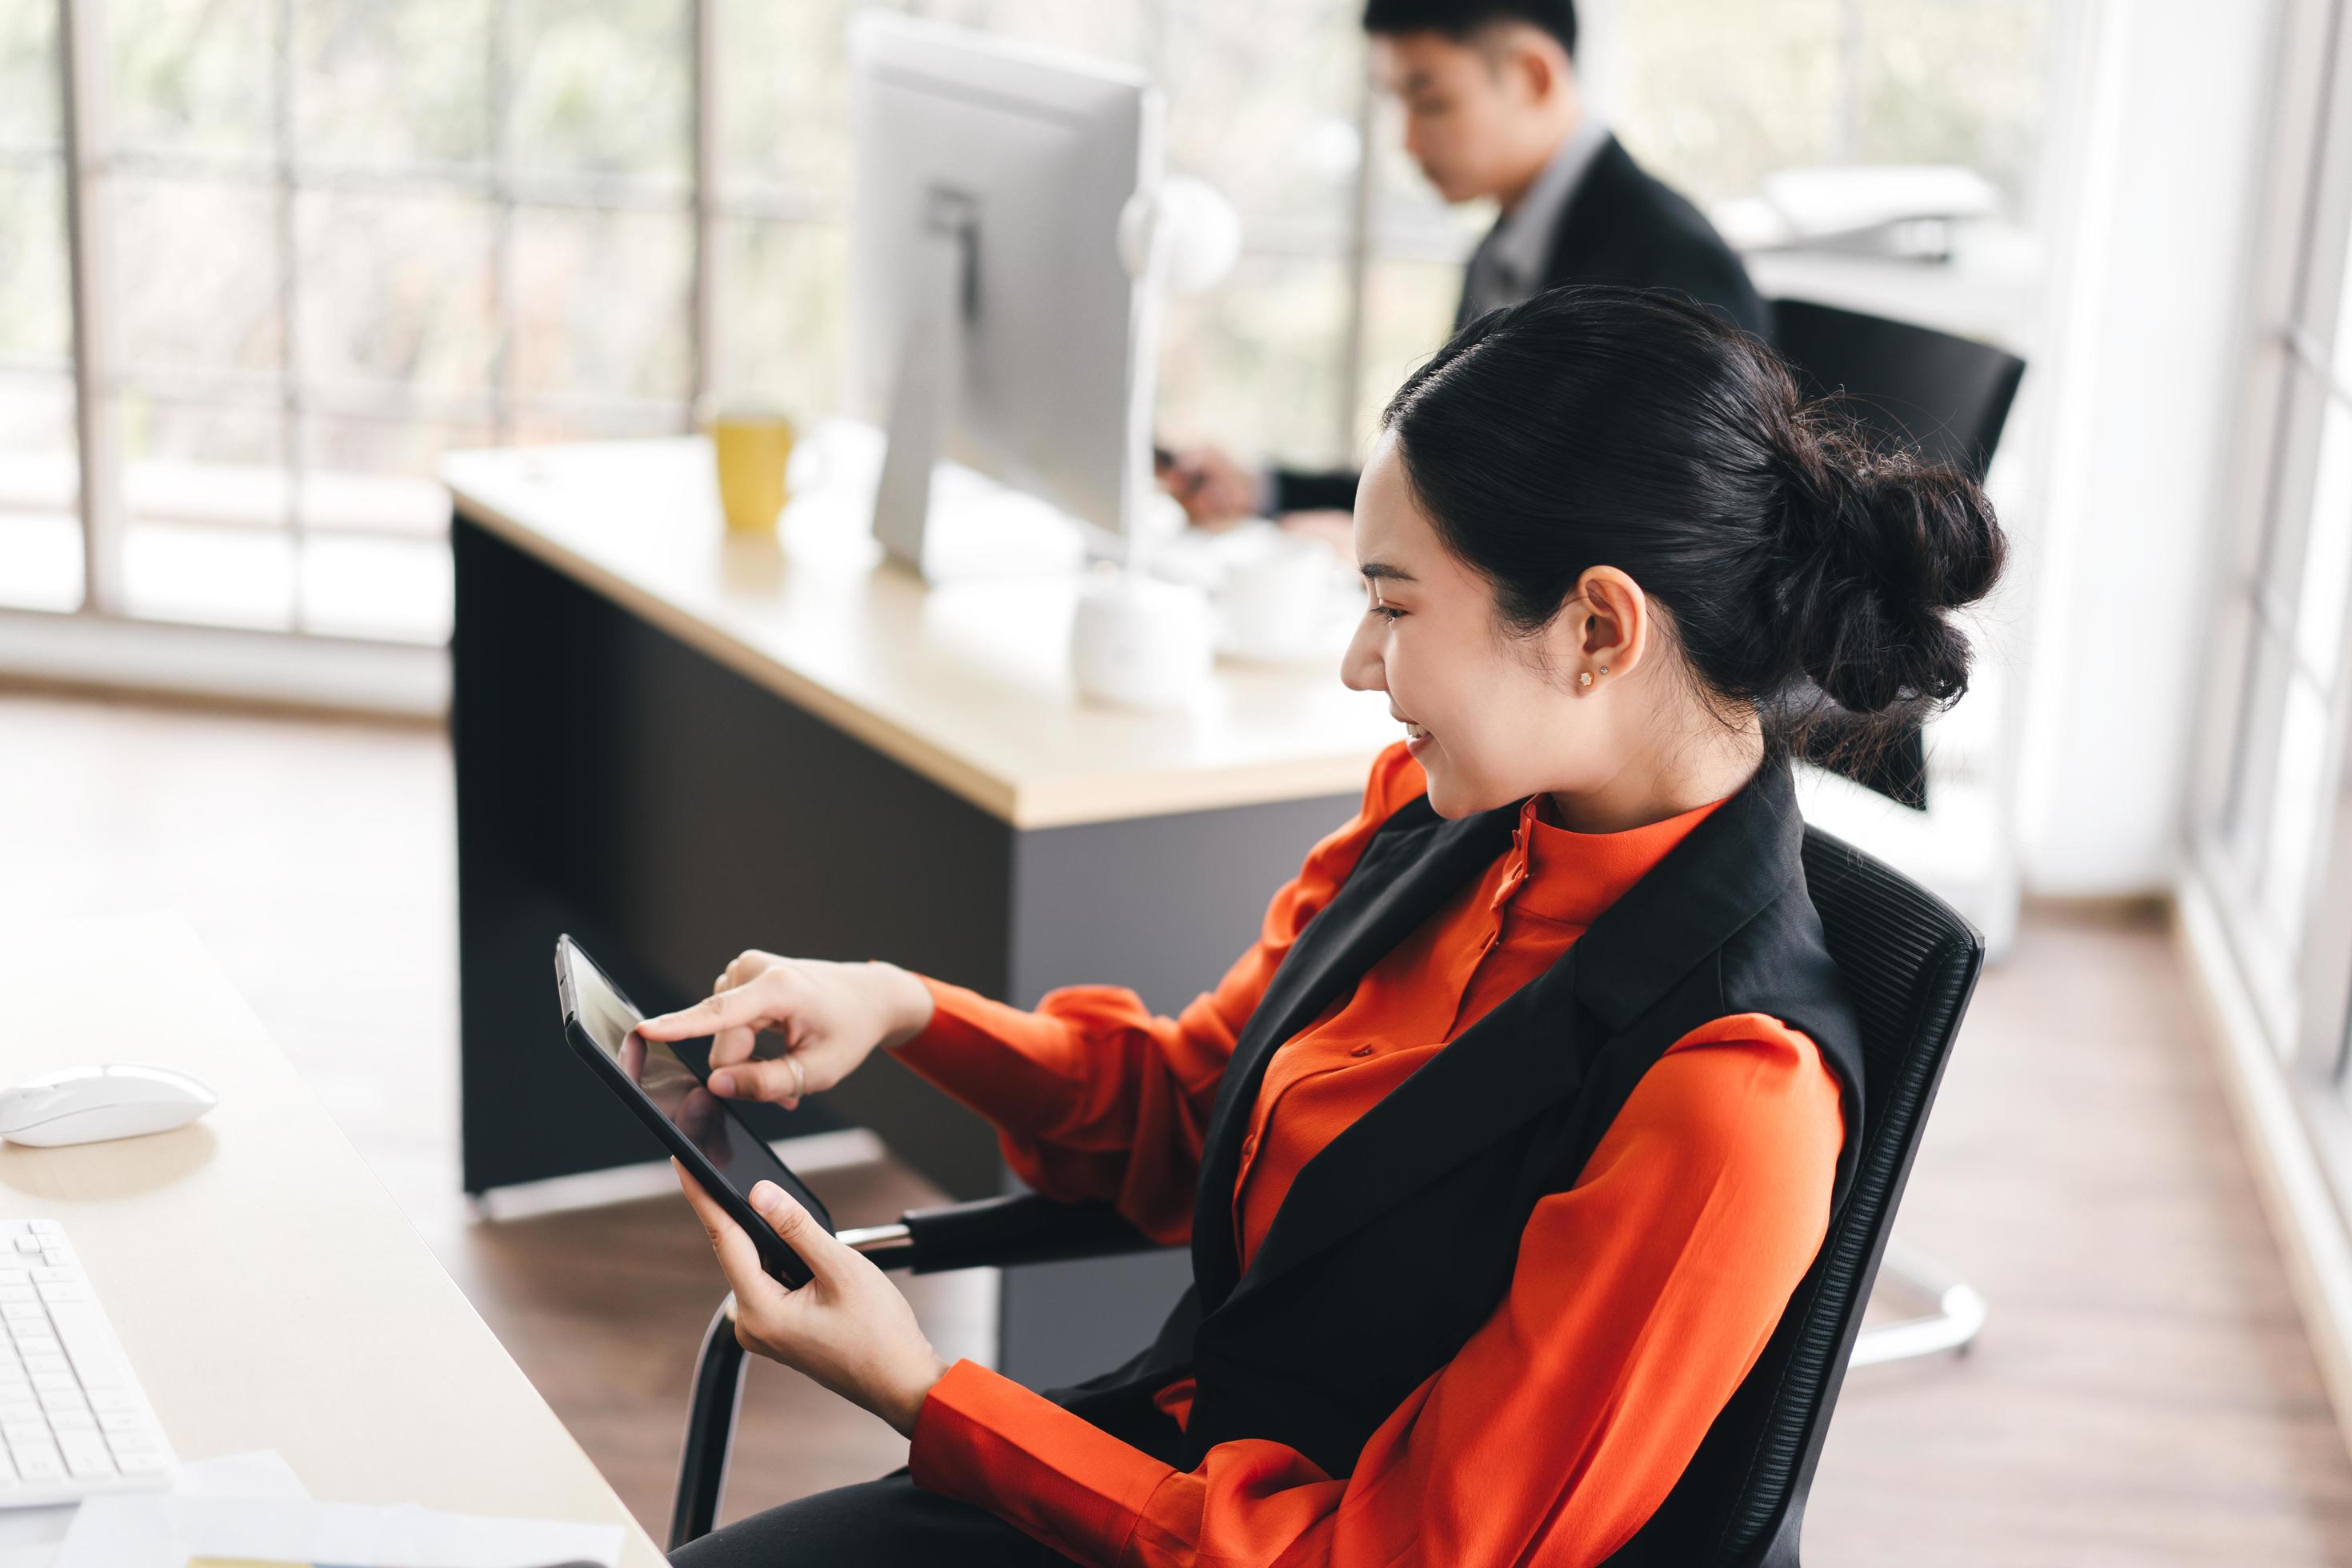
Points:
[992,319]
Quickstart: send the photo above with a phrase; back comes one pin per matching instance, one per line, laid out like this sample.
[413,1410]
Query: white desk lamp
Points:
[1137,642]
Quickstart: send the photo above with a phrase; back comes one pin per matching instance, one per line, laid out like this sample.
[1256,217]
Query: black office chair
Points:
[1907,386]
[1909,962]
[1948,397]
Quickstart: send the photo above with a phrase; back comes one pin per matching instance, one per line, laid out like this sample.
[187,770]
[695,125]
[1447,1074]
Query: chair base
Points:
[1958,1317]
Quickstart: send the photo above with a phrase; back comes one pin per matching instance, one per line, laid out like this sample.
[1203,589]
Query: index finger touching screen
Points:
[671,1077]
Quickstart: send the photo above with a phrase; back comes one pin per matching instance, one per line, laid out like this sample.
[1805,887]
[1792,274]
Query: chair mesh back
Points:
[1908,385]
[1949,396]
[1909,962]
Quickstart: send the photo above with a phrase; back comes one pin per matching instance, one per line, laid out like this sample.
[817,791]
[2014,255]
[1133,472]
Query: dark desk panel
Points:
[669,811]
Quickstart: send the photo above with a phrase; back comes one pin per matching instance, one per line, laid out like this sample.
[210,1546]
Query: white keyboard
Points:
[72,1417]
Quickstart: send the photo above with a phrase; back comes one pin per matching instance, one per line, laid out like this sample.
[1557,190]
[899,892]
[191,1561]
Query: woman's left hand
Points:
[848,1327]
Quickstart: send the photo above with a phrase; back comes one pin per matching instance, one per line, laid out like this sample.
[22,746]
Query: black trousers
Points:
[894,1523]
[889,1524]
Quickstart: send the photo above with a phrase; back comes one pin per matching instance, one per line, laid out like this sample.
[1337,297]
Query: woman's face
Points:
[1492,717]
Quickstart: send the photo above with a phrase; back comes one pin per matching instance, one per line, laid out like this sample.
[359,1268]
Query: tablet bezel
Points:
[779,1259]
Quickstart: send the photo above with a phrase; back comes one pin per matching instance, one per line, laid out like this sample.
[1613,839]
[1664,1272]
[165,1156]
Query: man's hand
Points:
[1214,490]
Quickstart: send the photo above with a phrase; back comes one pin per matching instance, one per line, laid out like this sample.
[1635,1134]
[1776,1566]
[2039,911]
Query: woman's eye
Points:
[1387,612]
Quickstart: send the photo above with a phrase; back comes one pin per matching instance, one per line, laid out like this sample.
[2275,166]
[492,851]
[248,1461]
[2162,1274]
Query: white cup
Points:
[1138,643]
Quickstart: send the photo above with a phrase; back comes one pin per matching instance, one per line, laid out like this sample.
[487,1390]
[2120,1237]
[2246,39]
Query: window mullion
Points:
[1364,215]
[82,71]
[705,95]
[289,314]
[502,280]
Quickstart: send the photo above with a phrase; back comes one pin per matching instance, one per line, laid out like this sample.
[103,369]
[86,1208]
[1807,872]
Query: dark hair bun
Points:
[1803,574]
[1876,547]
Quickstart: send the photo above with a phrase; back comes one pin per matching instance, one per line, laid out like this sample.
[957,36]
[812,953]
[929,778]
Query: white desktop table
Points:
[967,685]
[268,1292]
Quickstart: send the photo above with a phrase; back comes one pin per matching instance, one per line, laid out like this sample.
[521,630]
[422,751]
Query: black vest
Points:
[1398,1239]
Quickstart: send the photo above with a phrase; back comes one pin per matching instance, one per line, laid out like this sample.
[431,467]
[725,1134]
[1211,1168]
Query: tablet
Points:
[665,1084]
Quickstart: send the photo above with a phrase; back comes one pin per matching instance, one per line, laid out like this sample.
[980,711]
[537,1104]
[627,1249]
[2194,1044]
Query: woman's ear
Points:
[1611,628]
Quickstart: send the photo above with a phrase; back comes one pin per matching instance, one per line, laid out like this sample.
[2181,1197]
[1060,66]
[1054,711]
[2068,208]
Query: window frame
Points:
[2299,978]
[1372,233]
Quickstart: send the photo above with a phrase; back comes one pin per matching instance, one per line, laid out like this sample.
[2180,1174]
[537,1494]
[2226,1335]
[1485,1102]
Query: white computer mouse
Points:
[117,1099]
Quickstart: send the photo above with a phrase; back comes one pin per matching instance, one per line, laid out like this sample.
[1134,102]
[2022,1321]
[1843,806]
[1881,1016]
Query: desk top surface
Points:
[267,1288]
[967,685]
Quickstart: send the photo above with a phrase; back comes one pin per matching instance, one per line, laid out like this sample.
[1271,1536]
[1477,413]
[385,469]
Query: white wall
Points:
[2154,207]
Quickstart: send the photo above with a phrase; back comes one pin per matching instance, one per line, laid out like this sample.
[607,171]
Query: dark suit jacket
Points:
[1621,225]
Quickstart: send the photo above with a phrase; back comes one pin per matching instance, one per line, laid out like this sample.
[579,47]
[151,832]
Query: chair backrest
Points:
[1908,385]
[1909,962]
[1949,396]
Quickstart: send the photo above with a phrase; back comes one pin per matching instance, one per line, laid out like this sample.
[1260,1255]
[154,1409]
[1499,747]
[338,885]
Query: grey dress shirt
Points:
[1509,264]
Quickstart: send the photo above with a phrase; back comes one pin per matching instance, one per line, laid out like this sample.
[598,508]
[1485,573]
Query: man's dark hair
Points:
[1458,20]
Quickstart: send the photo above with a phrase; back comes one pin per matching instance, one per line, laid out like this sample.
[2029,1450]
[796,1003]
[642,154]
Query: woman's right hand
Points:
[831,1016]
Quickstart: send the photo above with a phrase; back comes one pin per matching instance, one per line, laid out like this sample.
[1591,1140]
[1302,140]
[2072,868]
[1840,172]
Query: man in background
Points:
[1492,109]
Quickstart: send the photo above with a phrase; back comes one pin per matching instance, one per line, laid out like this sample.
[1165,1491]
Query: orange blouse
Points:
[1639,1298]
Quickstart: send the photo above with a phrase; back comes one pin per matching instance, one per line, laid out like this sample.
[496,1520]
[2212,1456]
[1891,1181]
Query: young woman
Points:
[1502,1150]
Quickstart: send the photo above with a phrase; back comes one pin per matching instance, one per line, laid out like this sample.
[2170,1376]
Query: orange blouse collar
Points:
[1558,874]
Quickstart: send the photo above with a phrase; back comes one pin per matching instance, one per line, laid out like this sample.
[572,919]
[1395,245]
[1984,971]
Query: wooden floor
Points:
[2143,1394]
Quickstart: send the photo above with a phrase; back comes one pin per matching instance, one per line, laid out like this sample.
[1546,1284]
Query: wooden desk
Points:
[268,1290]
[675,744]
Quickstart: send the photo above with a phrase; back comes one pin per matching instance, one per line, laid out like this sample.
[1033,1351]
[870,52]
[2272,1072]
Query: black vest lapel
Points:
[1512,1065]
[1525,1056]
[1414,863]
[1712,883]
[1327,1332]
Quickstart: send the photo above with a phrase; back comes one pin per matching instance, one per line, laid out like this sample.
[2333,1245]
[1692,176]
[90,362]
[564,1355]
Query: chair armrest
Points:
[995,1233]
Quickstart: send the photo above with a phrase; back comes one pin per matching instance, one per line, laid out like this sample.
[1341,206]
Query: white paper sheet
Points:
[30,1537]
[266,1515]
[264,1473]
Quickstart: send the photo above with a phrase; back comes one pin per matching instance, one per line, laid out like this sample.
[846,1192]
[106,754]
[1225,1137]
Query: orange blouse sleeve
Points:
[1093,1095]
[1640,1298]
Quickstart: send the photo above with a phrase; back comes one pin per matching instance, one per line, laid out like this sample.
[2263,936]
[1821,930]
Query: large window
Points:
[1722,92]
[2273,799]
[266,259]
[40,549]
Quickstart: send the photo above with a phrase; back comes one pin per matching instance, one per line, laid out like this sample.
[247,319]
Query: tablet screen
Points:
[671,1076]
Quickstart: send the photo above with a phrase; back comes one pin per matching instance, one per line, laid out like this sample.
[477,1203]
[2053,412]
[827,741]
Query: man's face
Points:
[1474,111]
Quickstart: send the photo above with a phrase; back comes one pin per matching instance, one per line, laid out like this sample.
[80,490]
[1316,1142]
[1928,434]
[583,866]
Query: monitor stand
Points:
[946,529]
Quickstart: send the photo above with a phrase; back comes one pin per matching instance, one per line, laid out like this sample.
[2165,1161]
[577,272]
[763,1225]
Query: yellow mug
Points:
[754,444]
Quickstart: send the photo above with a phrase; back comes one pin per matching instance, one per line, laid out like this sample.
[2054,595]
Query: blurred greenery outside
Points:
[430,137]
